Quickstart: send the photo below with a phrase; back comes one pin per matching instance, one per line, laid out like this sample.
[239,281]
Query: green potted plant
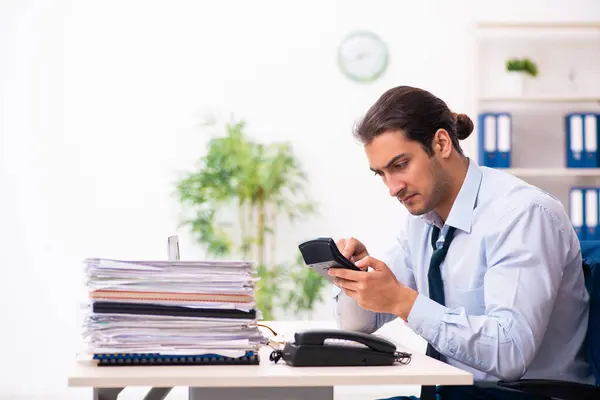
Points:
[522,65]
[519,71]
[236,195]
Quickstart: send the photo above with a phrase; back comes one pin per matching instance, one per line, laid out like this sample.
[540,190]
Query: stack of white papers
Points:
[171,308]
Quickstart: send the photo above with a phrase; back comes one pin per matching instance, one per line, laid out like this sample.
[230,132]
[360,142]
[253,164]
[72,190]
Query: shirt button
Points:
[420,330]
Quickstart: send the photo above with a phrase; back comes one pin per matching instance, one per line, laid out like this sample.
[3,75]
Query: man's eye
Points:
[400,165]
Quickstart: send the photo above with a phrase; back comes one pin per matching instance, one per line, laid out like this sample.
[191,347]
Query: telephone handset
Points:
[331,347]
[318,338]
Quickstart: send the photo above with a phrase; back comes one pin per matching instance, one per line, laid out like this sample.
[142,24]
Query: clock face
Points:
[363,56]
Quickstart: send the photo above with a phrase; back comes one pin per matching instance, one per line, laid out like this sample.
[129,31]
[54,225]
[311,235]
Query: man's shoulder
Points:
[507,192]
[502,194]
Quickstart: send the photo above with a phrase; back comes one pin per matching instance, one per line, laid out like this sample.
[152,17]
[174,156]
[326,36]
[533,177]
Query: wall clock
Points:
[363,56]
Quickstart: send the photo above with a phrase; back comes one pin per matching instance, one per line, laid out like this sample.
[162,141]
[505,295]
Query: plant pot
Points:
[514,84]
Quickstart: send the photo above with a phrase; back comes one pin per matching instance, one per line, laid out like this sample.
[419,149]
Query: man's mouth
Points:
[407,198]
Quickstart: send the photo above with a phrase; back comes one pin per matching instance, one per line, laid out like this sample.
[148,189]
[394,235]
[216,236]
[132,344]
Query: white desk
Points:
[264,381]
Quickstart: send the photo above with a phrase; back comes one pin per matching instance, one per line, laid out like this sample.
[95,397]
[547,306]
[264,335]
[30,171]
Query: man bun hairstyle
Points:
[415,112]
[464,126]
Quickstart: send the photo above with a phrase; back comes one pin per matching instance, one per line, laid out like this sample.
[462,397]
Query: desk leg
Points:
[263,393]
[158,393]
[106,393]
[113,393]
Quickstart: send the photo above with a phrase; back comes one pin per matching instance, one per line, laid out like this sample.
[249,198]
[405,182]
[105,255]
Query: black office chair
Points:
[569,390]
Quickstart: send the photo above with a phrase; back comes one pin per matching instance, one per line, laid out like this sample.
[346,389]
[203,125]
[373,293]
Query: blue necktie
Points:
[434,276]
[436,291]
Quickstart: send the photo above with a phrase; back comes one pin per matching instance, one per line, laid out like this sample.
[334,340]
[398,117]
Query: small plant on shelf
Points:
[524,65]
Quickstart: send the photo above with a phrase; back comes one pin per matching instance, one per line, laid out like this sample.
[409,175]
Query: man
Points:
[503,295]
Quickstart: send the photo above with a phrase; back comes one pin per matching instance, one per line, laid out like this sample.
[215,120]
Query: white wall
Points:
[99,108]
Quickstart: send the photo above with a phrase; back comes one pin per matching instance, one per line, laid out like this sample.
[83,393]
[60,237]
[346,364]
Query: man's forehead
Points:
[389,143]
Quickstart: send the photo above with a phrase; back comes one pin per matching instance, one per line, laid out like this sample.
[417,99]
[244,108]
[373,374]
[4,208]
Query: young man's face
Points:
[411,175]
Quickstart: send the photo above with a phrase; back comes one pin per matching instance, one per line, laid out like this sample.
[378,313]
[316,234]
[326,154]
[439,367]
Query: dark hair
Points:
[415,112]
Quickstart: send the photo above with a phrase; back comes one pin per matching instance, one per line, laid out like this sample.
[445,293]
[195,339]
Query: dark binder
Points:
[114,360]
[108,307]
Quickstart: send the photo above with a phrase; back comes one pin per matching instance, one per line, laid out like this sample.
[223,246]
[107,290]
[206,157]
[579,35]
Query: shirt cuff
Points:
[336,290]
[425,317]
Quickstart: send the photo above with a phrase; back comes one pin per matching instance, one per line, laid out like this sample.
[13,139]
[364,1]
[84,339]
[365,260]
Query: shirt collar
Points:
[461,214]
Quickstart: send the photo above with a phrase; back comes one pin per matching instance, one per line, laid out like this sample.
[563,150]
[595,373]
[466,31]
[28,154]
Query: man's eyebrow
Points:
[392,161]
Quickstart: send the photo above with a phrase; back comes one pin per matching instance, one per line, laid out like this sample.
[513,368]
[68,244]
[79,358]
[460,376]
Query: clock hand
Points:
[360,56]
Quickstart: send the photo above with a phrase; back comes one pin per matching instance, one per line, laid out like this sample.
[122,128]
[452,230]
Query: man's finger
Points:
[351,293]
[346,284]
[345,274]
[341,244]
[355,261]
[349,247]
[369,261]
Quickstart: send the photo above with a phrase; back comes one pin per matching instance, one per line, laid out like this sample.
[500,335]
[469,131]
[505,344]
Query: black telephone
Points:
[321,254]
[311,349]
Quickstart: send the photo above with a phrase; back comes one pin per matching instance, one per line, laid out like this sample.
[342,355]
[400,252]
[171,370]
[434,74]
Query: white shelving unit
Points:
[533,29]
[539,25]
[567,55]
[554,172]
[541,99]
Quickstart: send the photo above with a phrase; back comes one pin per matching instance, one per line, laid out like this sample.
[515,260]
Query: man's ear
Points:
[442,144]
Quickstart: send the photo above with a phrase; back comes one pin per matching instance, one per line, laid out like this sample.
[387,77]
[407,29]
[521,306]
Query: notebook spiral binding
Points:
[250,358]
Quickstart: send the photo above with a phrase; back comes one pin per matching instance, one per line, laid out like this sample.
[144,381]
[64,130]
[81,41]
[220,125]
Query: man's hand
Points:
[377,290]
[352,249]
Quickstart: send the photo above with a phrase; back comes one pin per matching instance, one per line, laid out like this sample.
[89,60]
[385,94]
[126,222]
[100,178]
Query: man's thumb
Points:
[369,261]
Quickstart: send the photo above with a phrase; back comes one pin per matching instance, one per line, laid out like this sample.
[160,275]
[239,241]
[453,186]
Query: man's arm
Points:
[526,254]
[349,315]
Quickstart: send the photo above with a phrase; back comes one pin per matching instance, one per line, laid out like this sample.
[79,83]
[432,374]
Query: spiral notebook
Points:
[250,358]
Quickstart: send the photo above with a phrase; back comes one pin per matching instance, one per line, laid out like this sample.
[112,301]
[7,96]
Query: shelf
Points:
[544,99]
[538,25]
[553,172]
[537,31]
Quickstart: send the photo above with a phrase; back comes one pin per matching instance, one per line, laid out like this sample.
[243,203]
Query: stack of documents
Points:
[171,312]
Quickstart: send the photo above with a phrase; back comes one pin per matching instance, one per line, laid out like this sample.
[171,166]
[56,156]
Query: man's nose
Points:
[396,187]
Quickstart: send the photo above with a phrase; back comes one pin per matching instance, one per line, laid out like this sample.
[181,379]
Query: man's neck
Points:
[457,172]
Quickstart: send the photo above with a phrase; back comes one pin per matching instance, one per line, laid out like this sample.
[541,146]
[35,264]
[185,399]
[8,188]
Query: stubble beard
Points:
[441,186]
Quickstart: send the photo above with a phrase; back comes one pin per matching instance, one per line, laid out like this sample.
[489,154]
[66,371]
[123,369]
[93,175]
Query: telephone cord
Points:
[276,356]
[402,357]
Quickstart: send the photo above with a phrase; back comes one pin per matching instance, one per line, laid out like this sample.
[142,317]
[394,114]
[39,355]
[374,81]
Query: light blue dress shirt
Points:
[516,302]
